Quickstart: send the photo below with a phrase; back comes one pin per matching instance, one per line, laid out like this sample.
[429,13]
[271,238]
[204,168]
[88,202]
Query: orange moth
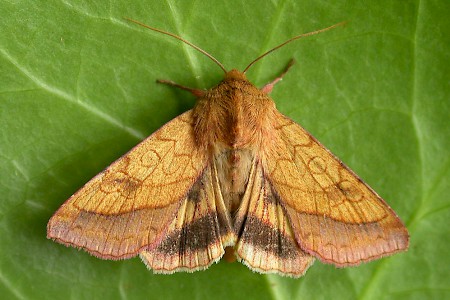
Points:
[231,172]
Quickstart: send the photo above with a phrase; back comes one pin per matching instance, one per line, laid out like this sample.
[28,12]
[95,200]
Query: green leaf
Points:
[77,90]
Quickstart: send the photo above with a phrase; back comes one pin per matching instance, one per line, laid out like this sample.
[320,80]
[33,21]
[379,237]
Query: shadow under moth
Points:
[232,173]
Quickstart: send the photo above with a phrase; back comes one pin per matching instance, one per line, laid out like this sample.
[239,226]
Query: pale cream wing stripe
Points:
[199,233]
[266,242]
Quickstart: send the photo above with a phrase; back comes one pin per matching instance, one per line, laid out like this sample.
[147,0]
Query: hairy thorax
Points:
[231,121]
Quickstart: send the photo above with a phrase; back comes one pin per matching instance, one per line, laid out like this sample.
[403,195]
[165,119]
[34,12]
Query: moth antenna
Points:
[290,40]
[180,39]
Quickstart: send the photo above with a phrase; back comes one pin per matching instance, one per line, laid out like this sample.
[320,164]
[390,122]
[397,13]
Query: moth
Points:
[232,173]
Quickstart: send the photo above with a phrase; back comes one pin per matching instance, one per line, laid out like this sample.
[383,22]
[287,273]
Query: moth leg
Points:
[196,92]
[269,86]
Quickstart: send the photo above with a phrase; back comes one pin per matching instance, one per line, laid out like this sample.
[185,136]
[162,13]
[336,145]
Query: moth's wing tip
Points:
[366,254]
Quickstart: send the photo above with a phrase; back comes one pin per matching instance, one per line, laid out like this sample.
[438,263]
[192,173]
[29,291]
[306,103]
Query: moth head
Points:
[235,74]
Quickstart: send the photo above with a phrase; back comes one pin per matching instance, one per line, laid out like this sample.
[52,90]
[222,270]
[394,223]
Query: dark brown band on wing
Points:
[264,236]
[195,236]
